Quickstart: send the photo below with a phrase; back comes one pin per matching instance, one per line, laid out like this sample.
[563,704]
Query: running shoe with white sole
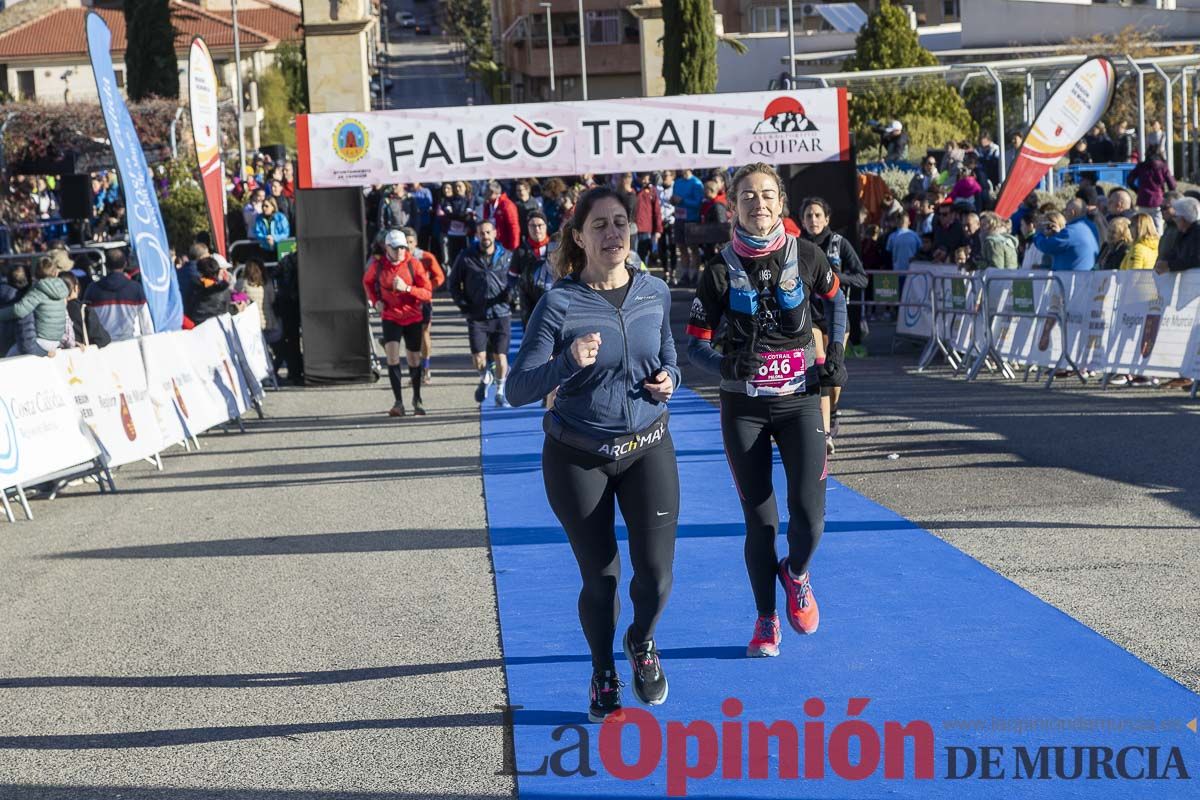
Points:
[767,637]
[802,612]
[649,681]
[605,695]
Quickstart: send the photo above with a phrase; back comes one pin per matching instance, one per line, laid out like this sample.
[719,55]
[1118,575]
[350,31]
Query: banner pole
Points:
[999,118]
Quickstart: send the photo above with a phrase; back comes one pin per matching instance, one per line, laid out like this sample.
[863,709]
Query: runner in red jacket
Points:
[502,212]
[437,277]
[398,286]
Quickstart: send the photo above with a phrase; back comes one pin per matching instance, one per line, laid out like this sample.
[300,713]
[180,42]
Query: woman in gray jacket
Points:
[602,335]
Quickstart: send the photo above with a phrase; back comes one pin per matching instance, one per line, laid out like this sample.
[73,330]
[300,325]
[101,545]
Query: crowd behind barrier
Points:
[86,412]
[1107,323]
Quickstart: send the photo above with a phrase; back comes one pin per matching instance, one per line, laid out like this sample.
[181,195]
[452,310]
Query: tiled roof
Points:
[275,21]
[62,33]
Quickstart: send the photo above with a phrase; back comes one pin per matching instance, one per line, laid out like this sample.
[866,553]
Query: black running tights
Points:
[748,424]
[582,489]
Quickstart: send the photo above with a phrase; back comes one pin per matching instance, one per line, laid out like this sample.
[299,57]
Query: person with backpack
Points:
[436,277]
[398,287]
[815,217]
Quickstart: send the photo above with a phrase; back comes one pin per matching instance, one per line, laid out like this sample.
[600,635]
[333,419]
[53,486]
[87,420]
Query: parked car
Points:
[406,19]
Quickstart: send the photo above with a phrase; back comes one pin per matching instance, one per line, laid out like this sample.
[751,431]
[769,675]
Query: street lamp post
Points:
[791,65]
[237,71]
[583,50]
[549,44]
[383,24]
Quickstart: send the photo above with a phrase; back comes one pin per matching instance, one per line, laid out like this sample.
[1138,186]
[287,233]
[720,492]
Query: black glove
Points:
[741,365]
[833,371]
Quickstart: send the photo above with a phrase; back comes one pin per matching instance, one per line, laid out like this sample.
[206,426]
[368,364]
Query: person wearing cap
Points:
[398,286]
[895,142]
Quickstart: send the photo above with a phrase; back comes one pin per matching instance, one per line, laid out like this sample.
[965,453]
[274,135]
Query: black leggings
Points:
[581,488]
[748,424]
[667,256]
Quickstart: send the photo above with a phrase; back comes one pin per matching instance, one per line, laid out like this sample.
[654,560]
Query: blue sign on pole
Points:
[147,234]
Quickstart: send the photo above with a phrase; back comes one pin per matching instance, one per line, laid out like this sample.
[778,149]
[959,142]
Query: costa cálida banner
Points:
[146,230]
[206,134]
[1073,110]
[572,138]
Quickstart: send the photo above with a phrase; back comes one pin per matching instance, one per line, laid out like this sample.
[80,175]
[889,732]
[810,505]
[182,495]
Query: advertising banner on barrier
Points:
[208,350]
[918,282]
[1073,110]
[109,388]
[1021,339]
[206,134]
[1130,323]
[146,230]
[250,335]
[571,138]
[1156,323]
[1091,298]
[41,431]
[176,383]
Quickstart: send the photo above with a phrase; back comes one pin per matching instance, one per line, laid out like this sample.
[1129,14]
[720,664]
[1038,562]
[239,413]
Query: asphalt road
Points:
[306,610]
[426,71]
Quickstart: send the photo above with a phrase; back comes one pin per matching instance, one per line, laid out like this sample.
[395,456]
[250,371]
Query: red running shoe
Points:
[802,612]
[767,637]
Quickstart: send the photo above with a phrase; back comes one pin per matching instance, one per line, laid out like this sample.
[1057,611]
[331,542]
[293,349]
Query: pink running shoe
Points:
[767,637]
[802,612]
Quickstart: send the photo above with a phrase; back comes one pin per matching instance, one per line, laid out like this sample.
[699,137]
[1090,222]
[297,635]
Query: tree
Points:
[150,66]
[292,61]
[181,202]
[471,21]
[689,47]
[278,118]
[887,42]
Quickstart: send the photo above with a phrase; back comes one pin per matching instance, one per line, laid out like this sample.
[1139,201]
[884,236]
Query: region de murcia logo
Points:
[350,140]
[785,129]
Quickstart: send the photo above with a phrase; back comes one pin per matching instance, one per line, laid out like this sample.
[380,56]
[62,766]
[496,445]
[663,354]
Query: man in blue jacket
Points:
[480,287]
[689,195]
[1070,246]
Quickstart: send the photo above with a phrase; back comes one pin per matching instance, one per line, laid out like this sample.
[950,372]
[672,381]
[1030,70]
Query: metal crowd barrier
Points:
[956,312]
[1059,317]
[889,294]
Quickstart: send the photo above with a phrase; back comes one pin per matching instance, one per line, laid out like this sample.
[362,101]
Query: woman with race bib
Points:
[760,285]
[602,335]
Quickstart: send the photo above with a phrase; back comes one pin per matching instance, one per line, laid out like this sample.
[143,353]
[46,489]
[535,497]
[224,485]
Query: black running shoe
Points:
[649,681]
[605,694]
[418,409]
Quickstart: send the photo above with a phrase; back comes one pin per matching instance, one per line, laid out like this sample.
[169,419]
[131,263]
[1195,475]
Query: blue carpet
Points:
[924,632]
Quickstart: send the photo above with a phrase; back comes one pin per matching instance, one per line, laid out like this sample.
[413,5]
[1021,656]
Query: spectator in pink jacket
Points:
[1152,178]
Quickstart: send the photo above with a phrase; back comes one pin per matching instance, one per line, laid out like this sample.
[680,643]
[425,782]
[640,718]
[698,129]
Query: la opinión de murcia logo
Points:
[853,749]
[785,128]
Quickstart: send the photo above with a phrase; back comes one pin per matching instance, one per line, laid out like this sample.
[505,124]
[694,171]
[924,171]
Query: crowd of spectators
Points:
[660,206]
